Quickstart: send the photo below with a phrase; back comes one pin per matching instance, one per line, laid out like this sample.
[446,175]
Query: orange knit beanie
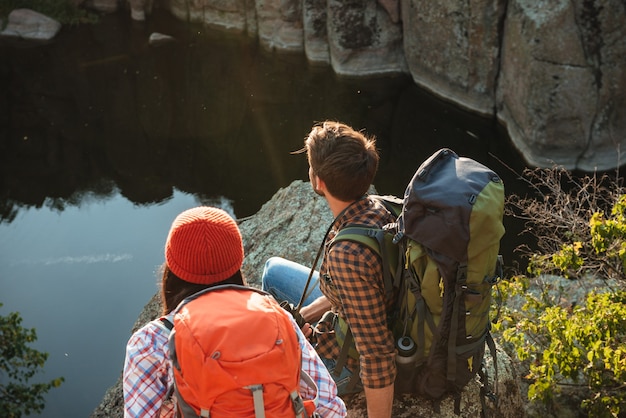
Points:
[204,246]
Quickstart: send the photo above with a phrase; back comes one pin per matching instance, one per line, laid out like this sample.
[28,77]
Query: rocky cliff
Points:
[552,72]
[292,225]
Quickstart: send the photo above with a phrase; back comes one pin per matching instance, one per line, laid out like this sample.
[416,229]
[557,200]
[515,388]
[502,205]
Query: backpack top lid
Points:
[451,201]
[227,339]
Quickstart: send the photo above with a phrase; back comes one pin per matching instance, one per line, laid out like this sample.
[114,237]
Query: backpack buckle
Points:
[396,238]
[298,404]
[328,321]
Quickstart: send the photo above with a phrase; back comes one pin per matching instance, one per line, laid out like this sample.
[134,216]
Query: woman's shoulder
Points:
[153,334]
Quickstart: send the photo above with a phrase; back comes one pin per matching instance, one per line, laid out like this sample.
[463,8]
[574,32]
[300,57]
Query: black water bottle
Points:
[405,364]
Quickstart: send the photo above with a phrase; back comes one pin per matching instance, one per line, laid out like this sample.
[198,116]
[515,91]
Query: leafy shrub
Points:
[565,343]
[18,364]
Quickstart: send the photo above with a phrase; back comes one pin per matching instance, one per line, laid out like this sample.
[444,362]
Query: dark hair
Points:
[345,159]
[174,289]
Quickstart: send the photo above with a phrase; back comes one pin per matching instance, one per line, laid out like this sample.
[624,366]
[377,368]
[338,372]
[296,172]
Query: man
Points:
[342,166]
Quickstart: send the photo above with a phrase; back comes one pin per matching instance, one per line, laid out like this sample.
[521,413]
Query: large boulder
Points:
[30,25]
[279,25]
[292,225]
[232,16]
[562,86]
[453,49]
[363,39]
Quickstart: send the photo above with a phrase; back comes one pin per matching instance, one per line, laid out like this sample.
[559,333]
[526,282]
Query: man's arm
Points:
[365,311]
[314,311]
[379,402]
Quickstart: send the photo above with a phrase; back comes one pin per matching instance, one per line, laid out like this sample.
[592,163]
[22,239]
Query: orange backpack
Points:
[235,353]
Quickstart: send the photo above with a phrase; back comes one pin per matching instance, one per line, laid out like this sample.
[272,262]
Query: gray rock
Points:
[314,18]
[561,89]
[30,25]
[156,39]
[280,25]
[392,7]
[231,16]
[139,9]
[453,49]
[292,225]
[363,39]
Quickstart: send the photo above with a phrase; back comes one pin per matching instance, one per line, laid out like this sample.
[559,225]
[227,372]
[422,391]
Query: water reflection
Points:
[209,113]
[81,277]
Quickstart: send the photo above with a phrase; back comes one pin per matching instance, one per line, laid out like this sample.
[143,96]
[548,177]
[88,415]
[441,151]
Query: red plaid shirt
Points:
[351,278]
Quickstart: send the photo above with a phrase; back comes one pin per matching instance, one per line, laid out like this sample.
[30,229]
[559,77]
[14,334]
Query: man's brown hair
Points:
[345,159]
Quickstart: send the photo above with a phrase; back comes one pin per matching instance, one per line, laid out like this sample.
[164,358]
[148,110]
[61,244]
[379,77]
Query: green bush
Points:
[564,344]
[62,10]
[18,364]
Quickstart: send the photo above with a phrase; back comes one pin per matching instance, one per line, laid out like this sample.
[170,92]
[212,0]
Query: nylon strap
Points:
[421,340]
[310,383]
[298,405]
[185,409]
[257,397]
[454,321]
[306,291]
[348,342]
[354,379]
[421,313]
[494,355]
[485,391]
[457,402]
[342,359]
[374,239]
[484,379]
[166,323]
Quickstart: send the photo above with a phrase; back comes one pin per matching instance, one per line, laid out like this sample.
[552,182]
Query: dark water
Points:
[104,140]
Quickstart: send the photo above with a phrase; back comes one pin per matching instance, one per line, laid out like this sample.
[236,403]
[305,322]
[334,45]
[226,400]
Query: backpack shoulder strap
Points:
[164,323]
[374,239]
[310,405]
[361,234]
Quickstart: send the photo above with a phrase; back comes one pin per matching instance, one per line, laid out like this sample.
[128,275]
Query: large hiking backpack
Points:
[441,257]
[235,353]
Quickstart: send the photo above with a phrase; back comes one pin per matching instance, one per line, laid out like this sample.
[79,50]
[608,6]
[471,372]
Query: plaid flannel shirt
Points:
[147,375]
[351,278]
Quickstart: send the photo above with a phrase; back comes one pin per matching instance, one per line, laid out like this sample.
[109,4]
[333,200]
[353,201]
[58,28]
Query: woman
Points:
[203,249]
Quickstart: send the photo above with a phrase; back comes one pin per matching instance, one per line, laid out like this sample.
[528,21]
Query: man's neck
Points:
[336,206]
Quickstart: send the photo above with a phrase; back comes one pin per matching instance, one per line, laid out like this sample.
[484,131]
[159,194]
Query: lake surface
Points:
[104,140]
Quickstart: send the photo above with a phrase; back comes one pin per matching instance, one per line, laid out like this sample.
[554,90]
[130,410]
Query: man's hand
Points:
[307,330]
[296,315]
[314,311]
